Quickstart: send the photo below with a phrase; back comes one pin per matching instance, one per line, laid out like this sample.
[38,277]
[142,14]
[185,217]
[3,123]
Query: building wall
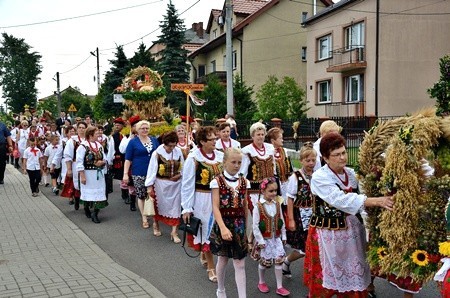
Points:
[410,48]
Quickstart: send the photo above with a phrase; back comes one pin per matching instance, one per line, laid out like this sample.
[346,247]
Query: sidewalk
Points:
[43,254]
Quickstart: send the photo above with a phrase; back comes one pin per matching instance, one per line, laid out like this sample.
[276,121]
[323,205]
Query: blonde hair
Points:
[24,122]
[230,151]
[142,122]
[257,126]
[328,126]
[307,150]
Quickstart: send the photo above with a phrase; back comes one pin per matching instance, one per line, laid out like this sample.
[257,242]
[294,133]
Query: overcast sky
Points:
[65,44]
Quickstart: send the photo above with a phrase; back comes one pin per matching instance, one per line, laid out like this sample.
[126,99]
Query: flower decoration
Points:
[205,177]
[405,134]
[161,170]
[444,248]
[381,252]
[420,257]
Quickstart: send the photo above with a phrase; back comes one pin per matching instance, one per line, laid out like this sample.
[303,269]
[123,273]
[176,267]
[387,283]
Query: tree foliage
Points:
[142,57]
[281,99]
[19,71]
[104,106]
[441,89]
[216,95]
[174,57]
[81,102]
[244,106]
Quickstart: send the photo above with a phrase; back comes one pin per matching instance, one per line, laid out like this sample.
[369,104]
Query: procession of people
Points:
[252,202]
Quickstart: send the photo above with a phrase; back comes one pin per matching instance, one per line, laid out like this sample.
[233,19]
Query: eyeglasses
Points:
[211,139]
[343,154]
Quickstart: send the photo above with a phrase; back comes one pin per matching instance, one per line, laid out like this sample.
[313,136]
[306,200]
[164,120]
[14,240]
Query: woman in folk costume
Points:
[70,158]
[224,141]
[336,229]
[201,166]
[163,182]
[69,131]
[107,143]
[299,206]
[90,164]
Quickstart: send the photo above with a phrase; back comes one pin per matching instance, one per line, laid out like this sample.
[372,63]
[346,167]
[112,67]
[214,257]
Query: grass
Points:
[352,158]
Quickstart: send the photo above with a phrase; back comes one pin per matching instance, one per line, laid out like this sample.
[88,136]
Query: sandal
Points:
[212,275]
[145,225]
[371,294]
[156,230]
[203,260]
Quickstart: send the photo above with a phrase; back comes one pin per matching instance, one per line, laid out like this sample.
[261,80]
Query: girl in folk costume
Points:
[32,164]
[70,158]
[182,141]
[299,203]
[42,145]
[69,131]
[22,137]
[54,169]
[224,141]
[270,235]
[163,182]
[228,237]
[34,132]
[108,149]
[201,166]
[90,163]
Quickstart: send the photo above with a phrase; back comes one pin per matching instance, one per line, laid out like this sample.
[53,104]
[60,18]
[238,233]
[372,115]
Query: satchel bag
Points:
[149,207]
[194,225]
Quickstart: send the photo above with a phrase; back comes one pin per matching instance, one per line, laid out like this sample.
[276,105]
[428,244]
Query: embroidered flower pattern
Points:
[161,170]
[205,177]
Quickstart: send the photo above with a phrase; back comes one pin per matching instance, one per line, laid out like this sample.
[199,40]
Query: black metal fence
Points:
[353,129]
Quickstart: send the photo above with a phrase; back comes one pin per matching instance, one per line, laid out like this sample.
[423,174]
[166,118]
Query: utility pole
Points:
[98,68]
[229,57]
[58,93]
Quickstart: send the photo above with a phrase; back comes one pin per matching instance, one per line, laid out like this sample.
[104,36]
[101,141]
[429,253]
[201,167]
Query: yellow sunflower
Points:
[254,171]
[161,170]
[444,248]
[420,257]
[381,252]
[205,177]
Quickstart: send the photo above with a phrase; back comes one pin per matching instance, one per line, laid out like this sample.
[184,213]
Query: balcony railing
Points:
[346,109]
[222,75]
[346,59]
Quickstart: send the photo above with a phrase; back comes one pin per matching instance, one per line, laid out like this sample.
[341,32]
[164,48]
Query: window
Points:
[324,91]
[214,35]
[304,54]
[354,88]
[201,70]
[304,16]
[354,36]
[213,66]
[324,47]
[234,60]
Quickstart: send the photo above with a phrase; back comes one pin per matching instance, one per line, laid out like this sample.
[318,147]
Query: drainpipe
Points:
[314,7]
[240,57]
[377,58]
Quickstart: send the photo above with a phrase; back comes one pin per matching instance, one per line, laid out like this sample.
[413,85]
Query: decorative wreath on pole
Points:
[143,92]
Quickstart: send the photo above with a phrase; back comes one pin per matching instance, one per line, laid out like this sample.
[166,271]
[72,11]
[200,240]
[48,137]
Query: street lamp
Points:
[98,68]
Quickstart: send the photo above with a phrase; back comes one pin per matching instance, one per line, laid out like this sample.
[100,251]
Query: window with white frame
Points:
[324,91]
[304,54]
[234,60]
[354,88]
[324,45]
[354,36]
[213,66]
[214,35]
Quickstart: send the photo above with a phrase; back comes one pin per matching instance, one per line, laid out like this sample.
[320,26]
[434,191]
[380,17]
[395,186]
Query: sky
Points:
[84,25]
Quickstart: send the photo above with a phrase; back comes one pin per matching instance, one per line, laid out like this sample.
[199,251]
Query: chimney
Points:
[198,29]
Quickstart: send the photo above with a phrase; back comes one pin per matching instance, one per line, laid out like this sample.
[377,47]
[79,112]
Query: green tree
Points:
[49,104]
[285,99]
[104,106]
[81,102]
[441,89]
[245,107]
[174,57]
[215,94]
[142,57]
[19,71]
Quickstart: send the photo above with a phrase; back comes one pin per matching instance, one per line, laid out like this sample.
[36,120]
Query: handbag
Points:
[149,207]
[16,153]
[68,189]
[194,225]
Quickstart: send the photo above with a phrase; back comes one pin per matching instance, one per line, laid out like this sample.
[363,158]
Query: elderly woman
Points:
[90,163]
[224,142]
[326,127]
[137,158]
[163,182]
[336,228]
[201,166]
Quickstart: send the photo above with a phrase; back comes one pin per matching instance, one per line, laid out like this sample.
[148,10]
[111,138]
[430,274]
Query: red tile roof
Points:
[248,6]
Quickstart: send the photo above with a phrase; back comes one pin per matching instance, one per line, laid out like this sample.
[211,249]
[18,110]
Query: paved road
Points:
[157,260]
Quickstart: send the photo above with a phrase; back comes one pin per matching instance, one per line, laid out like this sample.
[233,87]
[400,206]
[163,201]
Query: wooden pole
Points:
[188,112]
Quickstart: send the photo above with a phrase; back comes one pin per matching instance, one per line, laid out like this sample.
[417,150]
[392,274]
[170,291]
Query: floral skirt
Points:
[237,247]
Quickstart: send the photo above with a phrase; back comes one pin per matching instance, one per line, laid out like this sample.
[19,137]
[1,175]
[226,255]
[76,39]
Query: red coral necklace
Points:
[345,181]
[261,152]
[213,157]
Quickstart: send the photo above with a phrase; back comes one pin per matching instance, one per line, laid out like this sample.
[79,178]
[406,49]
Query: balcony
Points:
[347,59]
[222,75]
[346,109]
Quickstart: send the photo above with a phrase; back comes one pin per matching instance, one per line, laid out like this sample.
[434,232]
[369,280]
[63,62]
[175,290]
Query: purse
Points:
[149,207]
[194,225]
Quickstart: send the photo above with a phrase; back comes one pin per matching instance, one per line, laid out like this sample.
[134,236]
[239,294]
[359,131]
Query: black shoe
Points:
[94,216]
[71,202]
[77,203]
[2,182]
[125,195]
[133,206]
[87,212]
[287,272]
[47,184]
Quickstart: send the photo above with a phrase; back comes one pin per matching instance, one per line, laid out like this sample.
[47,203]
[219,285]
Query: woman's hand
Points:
[226,234]
[125,178]
[151,191]
[291,225]
[175,178]
[387,203]
[187,217]
[83,179]
[69,173]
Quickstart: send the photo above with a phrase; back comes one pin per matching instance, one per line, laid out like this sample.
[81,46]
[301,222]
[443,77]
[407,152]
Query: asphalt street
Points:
[166,266]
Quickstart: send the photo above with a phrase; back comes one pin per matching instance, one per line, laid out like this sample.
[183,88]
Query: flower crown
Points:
[265,182]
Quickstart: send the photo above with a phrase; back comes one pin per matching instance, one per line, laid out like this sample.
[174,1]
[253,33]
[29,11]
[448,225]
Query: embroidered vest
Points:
[304,196]
[232,199]
[91,157]
[168,168]
[117,137]
[283,166]
[258,170]
[326,216]
[204,173]
[75,147]
[268,225]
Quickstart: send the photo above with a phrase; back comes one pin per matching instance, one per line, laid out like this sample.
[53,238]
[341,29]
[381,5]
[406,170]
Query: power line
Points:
[78,17]
[77,65]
